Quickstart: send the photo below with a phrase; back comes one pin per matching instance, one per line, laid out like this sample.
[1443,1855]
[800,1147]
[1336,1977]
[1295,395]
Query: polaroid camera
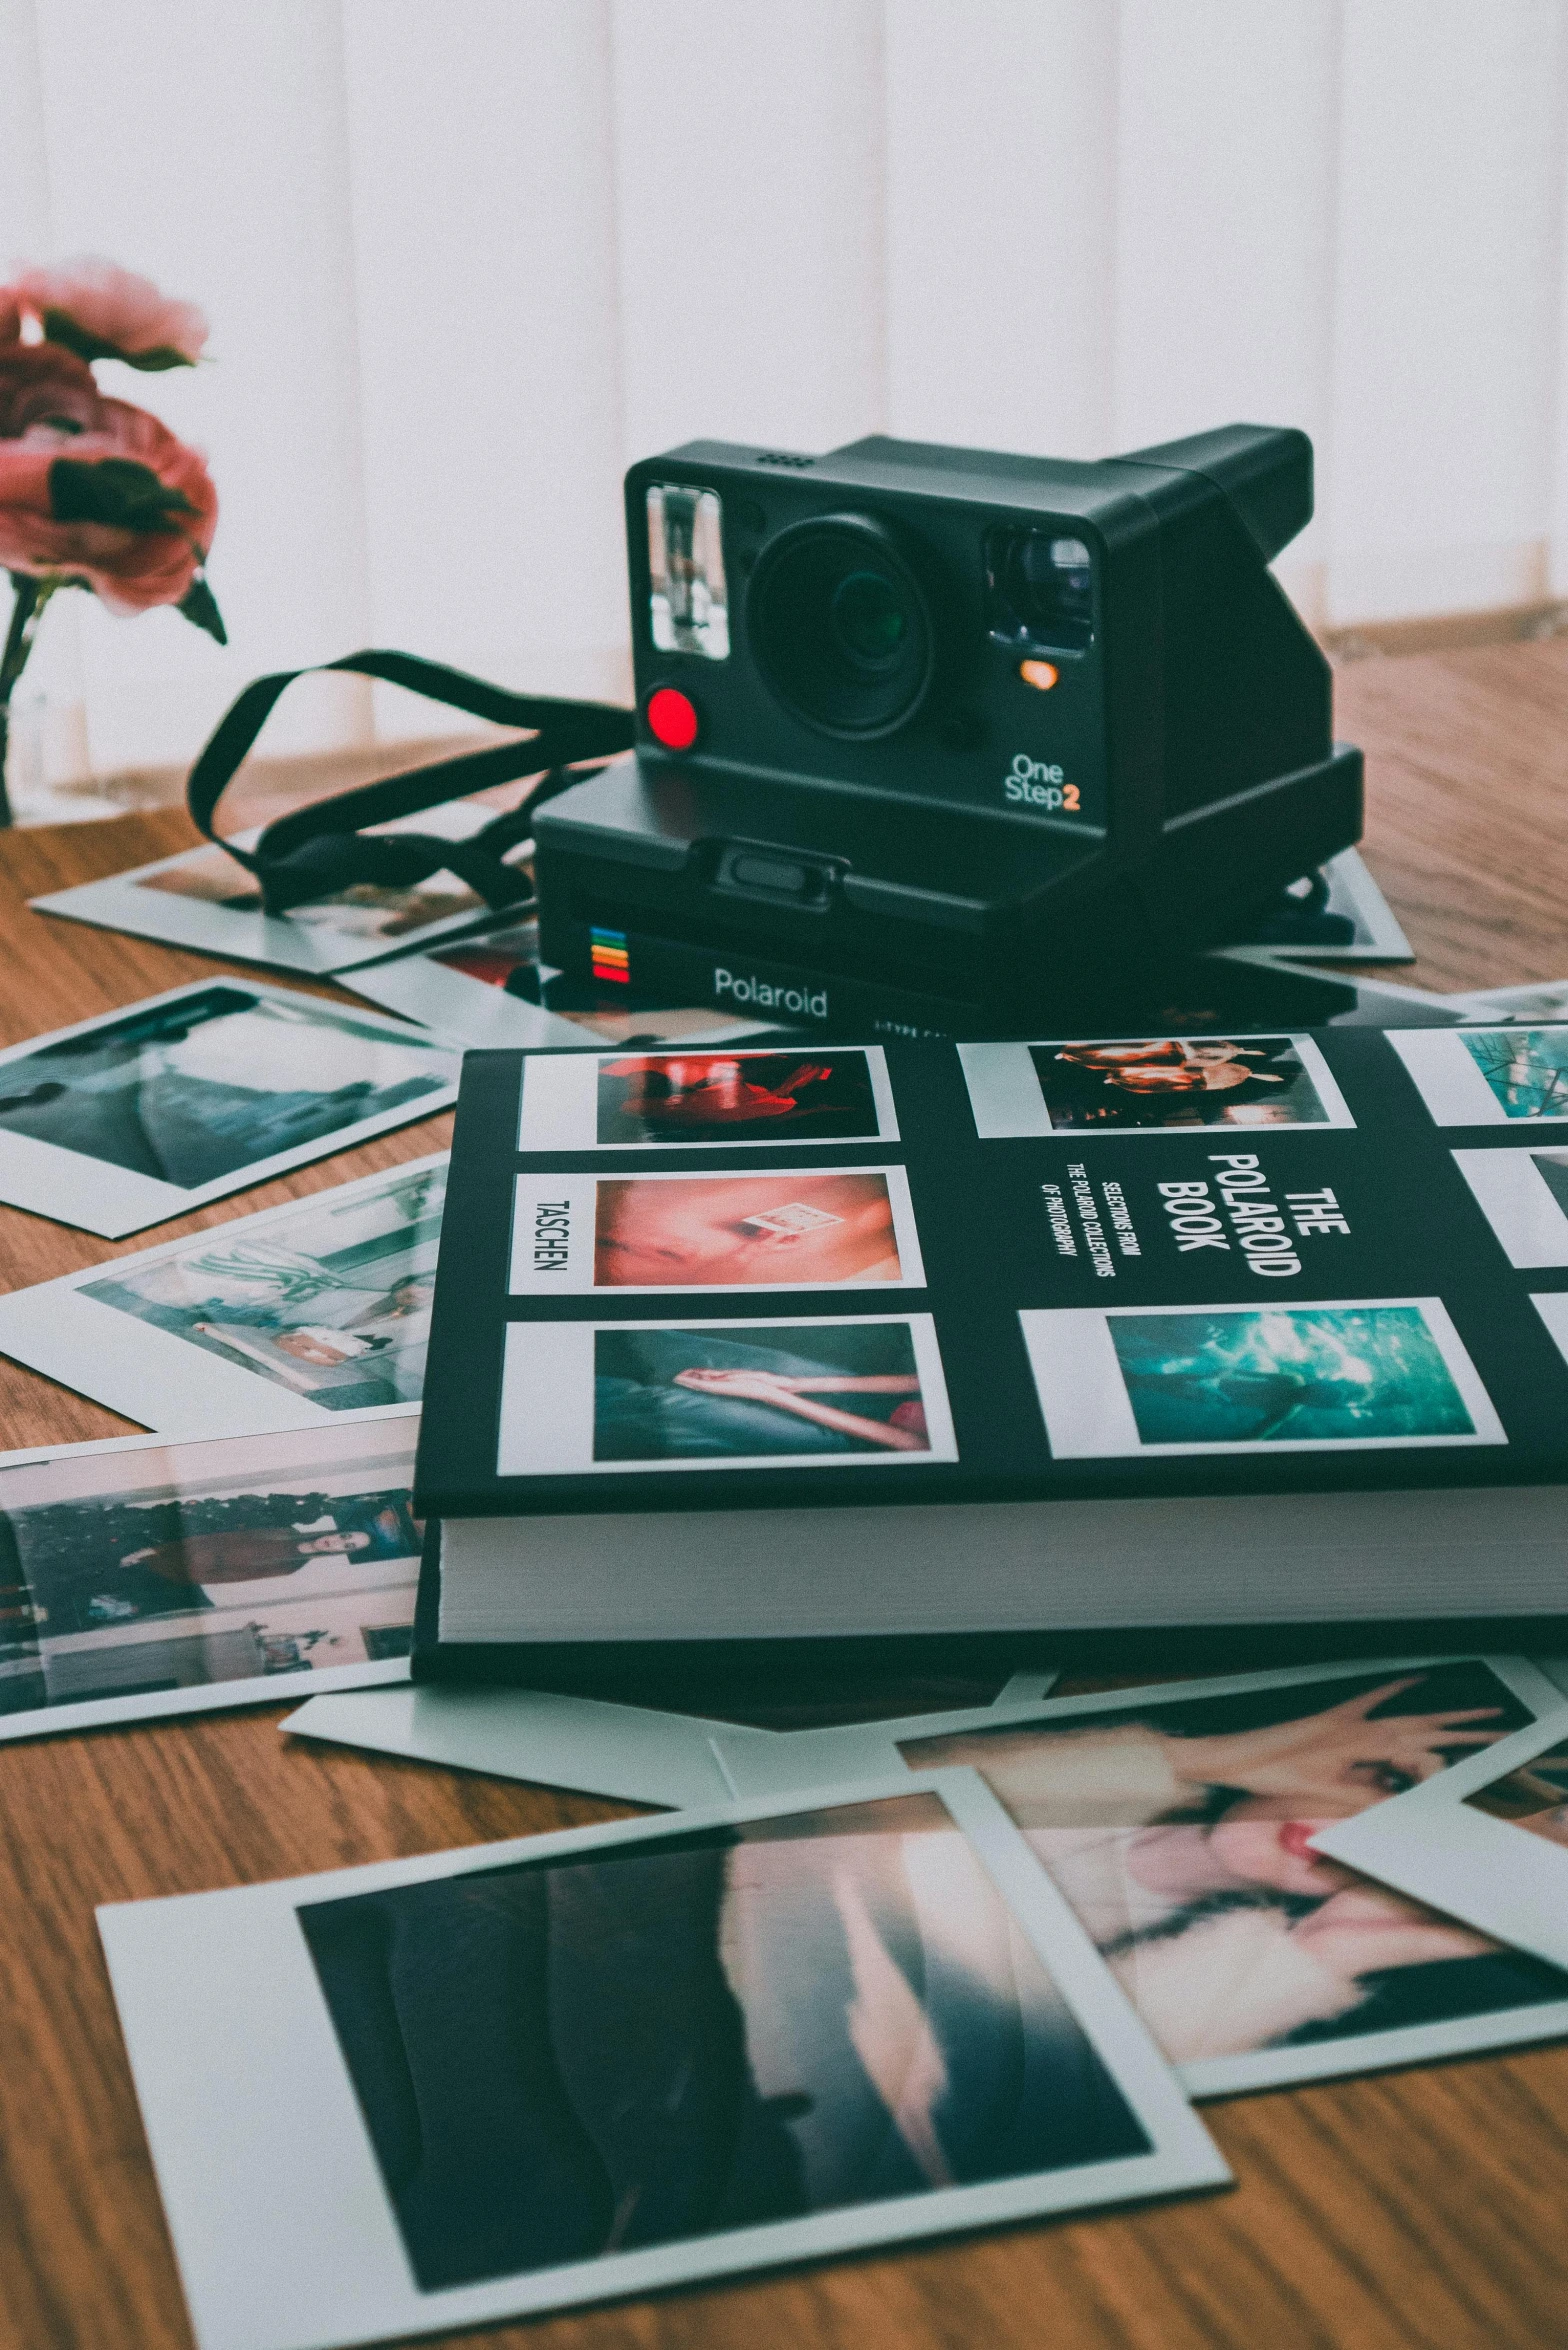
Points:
[925,734]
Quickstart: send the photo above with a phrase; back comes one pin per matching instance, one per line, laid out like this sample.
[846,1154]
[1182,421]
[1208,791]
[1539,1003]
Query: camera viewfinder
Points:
[1039,592]
[688,608]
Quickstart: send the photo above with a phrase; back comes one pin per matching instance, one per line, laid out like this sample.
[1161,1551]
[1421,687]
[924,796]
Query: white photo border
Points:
[72,1187]
[275,2198]
[578,1196]
[559,1110]
[1451,1085]
[1529,1222]
[98,1713]
[1088,1414]
[1008,1102]
[547,1399]
[811,1761]
[154,1376]
[1434,1845]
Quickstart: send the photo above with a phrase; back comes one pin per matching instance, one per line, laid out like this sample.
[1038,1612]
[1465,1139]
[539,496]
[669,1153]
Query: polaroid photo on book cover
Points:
[1349,1374]
[1178,1822]
[206,900]
[586,1398]
[698,1100]
[488,991]
[644,1753]
[853,1228]
[1151,1085]
[439,2092]
[1486,1842]
[142,1577]
[1488,1076]
[138,1116]
[300,1314]
[1523,1194]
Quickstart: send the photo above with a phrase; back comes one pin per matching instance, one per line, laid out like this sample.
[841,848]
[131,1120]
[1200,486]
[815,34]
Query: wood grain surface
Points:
[1421,2210]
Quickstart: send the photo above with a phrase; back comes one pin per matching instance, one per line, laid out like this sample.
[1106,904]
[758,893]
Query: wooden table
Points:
[1418,2208]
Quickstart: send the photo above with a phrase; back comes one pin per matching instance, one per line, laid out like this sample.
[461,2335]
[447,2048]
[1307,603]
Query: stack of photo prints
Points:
[884,1960]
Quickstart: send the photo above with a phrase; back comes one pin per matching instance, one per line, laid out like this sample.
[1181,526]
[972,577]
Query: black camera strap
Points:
[317,850]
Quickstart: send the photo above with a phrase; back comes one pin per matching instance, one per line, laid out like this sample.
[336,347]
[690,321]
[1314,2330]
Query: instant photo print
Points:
[758,1099]
[603,1398]
[637,2055]
[1159,1085]
[489,992]
[1489,1076]
[639,1752]
[1523,1194]
[851,1228]
[1486,1842]
[143,1577]
[1359,1373]
[142,1115]
[301,1314]
[1337,915]
[205,900]
[1184,1824]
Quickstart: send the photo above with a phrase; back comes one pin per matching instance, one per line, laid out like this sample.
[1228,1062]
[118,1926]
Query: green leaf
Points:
[60,327]
[201,609]
[115,490]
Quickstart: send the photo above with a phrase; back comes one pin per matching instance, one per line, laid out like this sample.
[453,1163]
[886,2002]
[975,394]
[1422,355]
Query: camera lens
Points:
[839,626]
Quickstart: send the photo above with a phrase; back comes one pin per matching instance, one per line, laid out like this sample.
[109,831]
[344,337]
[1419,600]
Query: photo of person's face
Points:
[1181,1833]
[728,1097]
[1175,1082]
[691,1232]
[1534,1797]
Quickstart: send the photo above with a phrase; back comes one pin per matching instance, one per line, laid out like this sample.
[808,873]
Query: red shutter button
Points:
[672,718]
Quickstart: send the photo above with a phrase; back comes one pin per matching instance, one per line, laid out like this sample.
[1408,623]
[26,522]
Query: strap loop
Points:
[318,850]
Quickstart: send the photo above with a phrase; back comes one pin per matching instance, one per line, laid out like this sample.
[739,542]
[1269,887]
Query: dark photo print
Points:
[193,1090]
[730,1097]
[1175,1082]
[822,1387]
[619,2048]
[1179,1831]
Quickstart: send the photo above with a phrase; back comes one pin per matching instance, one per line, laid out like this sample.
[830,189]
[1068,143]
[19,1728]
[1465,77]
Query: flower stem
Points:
[31,595]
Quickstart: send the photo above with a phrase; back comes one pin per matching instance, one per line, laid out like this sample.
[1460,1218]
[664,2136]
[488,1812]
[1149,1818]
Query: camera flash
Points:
[1040,674]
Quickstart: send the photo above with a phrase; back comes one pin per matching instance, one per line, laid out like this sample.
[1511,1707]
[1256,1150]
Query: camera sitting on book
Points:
[927,729]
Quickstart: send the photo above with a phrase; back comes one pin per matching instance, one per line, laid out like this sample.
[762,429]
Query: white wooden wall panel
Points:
[464,264]
[1001,178]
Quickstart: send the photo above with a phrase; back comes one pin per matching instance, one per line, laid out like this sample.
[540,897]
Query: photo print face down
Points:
[1179,1824]
[591,2065]
[141,1577]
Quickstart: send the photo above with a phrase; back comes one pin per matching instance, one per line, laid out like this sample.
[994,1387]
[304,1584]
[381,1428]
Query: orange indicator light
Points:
[1040,674]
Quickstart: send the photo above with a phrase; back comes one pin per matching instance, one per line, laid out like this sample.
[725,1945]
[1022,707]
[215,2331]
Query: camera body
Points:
[923,732]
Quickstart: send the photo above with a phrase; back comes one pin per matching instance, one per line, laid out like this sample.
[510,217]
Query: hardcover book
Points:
[931,1344]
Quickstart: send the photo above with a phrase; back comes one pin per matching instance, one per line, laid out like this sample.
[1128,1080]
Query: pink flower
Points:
[46,391]
[118,503]
[102,312]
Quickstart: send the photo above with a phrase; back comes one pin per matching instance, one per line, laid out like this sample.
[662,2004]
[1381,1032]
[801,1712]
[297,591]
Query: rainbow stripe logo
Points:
[611,959]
